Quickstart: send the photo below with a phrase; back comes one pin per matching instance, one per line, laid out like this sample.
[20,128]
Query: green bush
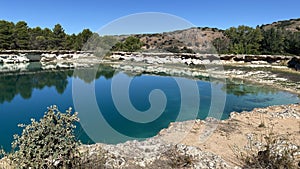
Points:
[131,44]
[48,143]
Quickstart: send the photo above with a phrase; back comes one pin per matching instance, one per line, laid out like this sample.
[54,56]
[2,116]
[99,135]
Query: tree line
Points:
[248,40]
[236,40]
[21,37]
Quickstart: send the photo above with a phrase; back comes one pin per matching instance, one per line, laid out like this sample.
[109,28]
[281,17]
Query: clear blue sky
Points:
[93,14]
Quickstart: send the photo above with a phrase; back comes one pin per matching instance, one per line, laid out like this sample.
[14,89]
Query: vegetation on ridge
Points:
[247,40]
[278,38]
[20,36]
[130,44]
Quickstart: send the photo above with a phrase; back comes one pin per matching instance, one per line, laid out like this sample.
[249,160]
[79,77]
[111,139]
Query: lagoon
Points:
[27,95]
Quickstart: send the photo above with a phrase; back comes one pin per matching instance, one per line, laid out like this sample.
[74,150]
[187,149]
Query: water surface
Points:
[26,96]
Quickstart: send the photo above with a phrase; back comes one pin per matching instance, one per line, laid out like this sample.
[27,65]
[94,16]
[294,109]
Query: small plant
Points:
[2,153]
[92,159]
[269,151]
[299,127]
[48,143]
[178,159]
[262,122]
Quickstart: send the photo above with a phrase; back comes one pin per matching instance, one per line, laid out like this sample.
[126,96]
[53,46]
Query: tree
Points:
[119,46]
[21,35]
[59,37]
[273,41]
[292,43]
[48,34]
[221,44]
[37,39]
[131,44]
[70,43]
[254,41]
[85,35]
[81,39]
[6,34]
[244,40]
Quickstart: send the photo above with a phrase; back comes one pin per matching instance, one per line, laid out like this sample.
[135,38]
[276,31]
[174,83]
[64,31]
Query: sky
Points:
[75,16]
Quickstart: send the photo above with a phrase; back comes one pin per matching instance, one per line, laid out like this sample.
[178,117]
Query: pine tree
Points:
[21,36]
[6,34]
[58,38]
[273,41]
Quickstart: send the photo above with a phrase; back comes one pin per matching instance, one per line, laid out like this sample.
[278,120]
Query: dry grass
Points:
[270,151]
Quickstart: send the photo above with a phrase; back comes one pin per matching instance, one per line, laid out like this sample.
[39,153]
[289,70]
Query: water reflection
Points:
[24,83]
[240,88]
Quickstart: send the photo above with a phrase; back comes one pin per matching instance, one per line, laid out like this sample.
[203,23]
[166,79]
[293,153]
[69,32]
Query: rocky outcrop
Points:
[48,57]
[198,59]
[13,58]
[155,153]
[16,56]
[39,52]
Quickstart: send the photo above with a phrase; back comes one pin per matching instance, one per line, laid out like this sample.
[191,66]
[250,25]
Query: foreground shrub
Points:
[48,143]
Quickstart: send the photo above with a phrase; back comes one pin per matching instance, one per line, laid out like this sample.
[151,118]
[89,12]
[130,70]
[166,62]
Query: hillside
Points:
[187,40]
[283,39]
[290,25]
[239,40]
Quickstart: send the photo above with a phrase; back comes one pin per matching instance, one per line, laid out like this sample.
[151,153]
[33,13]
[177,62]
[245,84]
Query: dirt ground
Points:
[233,131]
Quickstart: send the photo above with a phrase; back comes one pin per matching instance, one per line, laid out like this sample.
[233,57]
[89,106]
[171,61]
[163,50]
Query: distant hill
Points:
[187,40]
[200,40]
[290,25]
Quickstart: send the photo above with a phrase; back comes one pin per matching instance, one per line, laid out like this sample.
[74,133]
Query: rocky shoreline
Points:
[24,56]
[13,58]
[200,59]
[38,52]
[213,153]
[19,61]
[19,56]
[165,151]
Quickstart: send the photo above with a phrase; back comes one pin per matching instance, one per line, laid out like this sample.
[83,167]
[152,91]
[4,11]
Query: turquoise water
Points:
[27,96]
